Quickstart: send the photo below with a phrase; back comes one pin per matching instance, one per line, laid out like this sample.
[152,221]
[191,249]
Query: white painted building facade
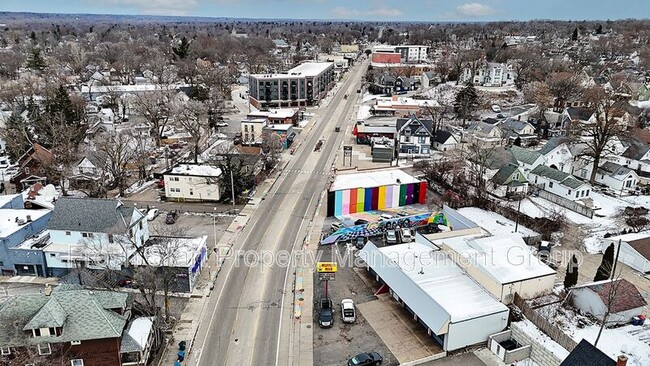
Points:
[192,182]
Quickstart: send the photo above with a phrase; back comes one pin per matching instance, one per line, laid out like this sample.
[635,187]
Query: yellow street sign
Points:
[326,267]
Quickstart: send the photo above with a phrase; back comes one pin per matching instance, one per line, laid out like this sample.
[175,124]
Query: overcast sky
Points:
[402,10]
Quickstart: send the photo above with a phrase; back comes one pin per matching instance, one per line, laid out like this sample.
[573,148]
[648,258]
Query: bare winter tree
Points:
[603,133]
[539,93]
[193,117]
[439,114]
[155,108]
[479,159]
[563,86]
[116,152]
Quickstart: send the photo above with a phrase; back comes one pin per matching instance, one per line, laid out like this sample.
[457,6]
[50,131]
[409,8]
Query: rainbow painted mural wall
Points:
[349,201]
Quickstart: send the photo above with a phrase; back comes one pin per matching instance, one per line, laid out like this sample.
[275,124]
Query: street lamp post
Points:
[232,191]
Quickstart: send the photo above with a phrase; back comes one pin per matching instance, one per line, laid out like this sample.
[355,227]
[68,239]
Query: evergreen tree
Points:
[574,36]
[183,48]
[32,36]
[35,60]
[571,277]
[466,102]
[605,269]
[599,30]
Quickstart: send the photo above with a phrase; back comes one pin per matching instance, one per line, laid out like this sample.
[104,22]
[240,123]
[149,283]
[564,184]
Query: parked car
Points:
[385,217]
[360,242]
[391,237]
[325,313]
[403,213]
[348,313]
[360,222]
[171,217]
[152,214]
[368,358]
[161,183]
[496,108]
[222,124]
[406,235]
[337,129]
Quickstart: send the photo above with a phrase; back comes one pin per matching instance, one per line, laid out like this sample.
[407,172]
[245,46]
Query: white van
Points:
[348,313]
[385,217]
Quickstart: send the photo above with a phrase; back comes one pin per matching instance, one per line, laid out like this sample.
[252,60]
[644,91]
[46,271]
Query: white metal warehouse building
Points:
[502,264]
[455,309]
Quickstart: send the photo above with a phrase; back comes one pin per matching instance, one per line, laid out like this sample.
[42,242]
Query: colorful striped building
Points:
[378,190]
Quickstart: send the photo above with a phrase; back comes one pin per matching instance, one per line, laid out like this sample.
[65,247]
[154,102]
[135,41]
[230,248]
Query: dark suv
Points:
[325,313]
[171,217]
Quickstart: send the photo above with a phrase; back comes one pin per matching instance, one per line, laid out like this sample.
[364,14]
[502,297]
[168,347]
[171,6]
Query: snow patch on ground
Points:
[530,329]
[494,223]
[139,187]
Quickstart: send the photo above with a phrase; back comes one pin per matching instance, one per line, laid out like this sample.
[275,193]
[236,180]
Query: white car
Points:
[222,124]
[152,214]
[496,108]
[348,313]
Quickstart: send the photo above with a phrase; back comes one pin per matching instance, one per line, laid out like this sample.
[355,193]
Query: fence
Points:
[568,204]
[544,325]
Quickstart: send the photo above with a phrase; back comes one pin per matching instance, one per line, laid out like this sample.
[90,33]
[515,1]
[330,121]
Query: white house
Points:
[634,251]
[484,135]
[621,180]
[489,74]
[251,130]
[93,233]
[414,136]
[192,182]
[454,309]
[637,157]
[593,297]
[444,140]
[502,264]
[429,79]
[519,132]
[89,172]
[557,154]
[559,183]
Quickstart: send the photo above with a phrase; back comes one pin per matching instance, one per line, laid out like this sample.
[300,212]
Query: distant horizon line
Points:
[232,18]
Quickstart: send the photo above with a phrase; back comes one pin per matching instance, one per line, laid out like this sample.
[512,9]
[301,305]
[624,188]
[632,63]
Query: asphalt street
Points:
[250,307]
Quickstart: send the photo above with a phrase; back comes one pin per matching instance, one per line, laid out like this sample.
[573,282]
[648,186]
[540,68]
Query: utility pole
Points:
[232,190]
[518,213]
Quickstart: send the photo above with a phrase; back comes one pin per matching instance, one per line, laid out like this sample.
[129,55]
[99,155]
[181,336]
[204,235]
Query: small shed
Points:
[593,298]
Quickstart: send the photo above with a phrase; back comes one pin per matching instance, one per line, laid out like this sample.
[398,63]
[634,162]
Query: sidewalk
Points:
[188,324]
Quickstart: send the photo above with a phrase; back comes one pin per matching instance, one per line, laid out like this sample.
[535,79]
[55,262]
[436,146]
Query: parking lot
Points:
[334,346]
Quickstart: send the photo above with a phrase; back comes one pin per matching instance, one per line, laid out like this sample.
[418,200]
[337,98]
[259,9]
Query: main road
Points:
[248,315]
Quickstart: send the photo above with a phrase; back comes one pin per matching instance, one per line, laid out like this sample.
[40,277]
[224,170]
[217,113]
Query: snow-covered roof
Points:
[280,127]
[171,252]
[432,285]
[129,88]
[372,179]
[275,113]
[195,170]
[505,258]
[310,68]
[137,335]
[14,219]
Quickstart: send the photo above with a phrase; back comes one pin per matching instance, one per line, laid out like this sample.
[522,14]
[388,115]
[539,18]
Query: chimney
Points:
[48,289]
[621,361]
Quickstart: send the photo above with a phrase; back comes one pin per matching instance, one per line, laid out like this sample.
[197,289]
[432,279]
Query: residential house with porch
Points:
[574,120]
[520,133]
[71,325]
[32,167]
[484,135]
[93,233]
[414,136]
[637,158]
[559,183]
[489,74]
[621,180]
[507,182]
[526,158]
[89,173]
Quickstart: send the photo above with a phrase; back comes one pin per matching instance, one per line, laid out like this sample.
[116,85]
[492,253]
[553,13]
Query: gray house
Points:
[414,136]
